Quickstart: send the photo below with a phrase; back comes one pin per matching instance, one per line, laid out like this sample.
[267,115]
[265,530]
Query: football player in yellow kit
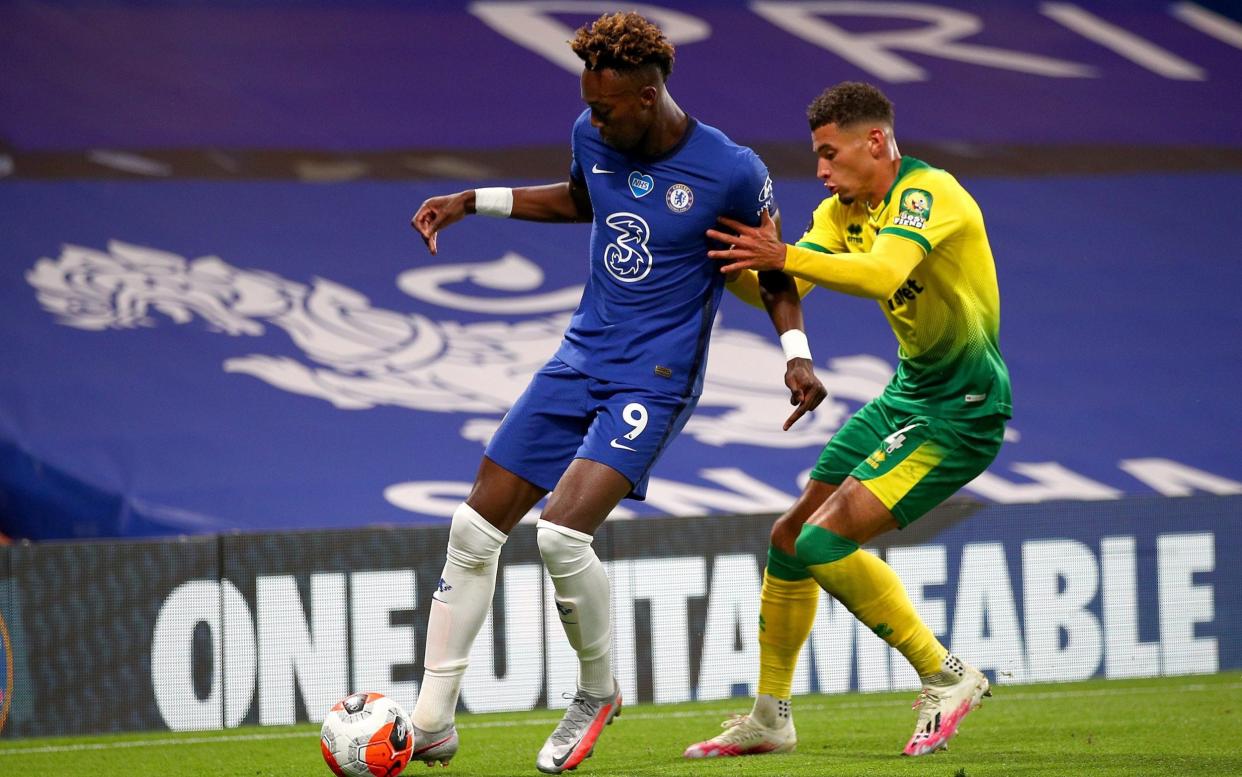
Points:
[906,234]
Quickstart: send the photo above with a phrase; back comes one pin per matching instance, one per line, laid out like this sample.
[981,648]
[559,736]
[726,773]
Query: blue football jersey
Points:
[652,293]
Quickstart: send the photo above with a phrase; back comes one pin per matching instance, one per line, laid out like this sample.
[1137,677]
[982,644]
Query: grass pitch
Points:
[1164,726]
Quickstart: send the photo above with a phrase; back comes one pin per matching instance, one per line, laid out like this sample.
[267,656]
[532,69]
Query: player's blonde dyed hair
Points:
[623,41]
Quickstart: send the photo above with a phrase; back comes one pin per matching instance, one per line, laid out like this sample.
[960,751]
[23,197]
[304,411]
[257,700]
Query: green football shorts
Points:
[910,462]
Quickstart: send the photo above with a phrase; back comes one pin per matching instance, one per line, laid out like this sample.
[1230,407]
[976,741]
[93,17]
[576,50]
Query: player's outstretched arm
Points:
[561,202]
[781,297]
[748,248]
[744,284]
[784,305]
[875,275]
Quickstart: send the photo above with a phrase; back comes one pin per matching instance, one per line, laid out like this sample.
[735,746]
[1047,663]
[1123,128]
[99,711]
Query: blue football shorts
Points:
[565,415]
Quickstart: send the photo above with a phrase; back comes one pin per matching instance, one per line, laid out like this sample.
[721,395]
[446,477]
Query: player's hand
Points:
[435,214]
[805,390]
[749,248]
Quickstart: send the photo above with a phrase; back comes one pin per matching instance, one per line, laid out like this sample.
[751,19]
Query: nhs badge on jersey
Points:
[679,198]
[641,184]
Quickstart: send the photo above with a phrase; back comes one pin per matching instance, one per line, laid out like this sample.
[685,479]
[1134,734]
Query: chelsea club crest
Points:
[679,198]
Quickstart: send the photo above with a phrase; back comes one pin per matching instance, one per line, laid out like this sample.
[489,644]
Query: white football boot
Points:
[575,736]
[946,698]
[432,747]
[744,735]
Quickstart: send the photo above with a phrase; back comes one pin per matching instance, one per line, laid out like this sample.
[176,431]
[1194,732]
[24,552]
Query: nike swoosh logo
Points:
[616,444]
[435,744]
[601,718]
[597,169]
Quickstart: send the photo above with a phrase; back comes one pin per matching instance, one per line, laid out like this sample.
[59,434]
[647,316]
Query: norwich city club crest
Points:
[914,208]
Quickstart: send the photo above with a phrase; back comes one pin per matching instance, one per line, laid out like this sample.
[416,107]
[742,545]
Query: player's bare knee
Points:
[786,528]
[473,542]
[785,532]
[502,496]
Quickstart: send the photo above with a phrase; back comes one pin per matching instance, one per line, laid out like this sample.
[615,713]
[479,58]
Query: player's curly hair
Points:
[848,103]
[623,41]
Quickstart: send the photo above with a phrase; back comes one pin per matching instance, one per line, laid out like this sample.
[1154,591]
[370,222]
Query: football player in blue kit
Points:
[627,375]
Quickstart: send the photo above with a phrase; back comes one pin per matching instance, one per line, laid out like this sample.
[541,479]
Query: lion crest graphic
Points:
[357,356]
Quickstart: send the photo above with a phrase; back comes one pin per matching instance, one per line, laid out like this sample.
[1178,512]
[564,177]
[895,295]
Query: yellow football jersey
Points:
[946,312]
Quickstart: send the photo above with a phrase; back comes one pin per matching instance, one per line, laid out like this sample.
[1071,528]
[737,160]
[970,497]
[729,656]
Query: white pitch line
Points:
[1005,696]
[150,743]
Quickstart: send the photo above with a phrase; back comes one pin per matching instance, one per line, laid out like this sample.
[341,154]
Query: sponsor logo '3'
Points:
[627,258]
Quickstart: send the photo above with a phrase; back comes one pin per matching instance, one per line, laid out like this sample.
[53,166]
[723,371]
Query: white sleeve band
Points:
[795,345]
[494,201]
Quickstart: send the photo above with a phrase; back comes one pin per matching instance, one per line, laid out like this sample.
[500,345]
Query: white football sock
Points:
[582,599]
[458,607]
[951,672]
[771,711]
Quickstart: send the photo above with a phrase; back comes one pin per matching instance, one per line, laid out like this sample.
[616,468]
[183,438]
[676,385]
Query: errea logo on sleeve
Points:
[914,208]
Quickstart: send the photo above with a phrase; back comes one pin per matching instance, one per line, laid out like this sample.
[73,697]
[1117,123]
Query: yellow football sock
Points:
[871,590]
[787,606]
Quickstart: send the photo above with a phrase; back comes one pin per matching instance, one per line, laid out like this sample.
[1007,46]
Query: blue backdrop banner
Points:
[385,74]
[203,357]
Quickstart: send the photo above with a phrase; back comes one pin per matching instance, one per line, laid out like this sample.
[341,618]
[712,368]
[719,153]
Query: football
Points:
[366,735]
